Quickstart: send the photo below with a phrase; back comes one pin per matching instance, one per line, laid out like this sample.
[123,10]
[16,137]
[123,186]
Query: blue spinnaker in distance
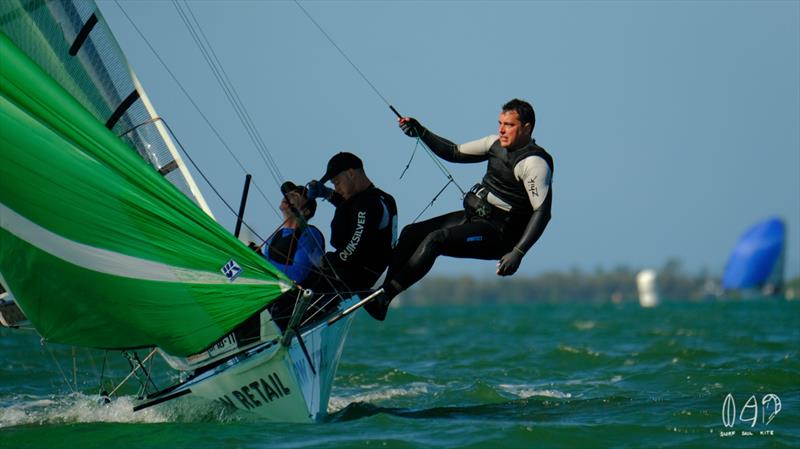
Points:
[757,257]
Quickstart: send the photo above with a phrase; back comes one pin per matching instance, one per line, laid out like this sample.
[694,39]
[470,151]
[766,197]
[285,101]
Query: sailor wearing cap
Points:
[364,225]
[296,248]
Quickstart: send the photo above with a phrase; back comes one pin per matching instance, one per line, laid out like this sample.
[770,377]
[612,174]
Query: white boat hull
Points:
[277,382]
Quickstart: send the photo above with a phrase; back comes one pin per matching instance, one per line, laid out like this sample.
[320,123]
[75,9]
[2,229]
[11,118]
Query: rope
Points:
[133,371]
[205,178]
[341,52]
[435,159]
[442,168]
[433,200]
[205,47]
[61,370]
[101,390]
[195,105]
[416,145]
[74,367]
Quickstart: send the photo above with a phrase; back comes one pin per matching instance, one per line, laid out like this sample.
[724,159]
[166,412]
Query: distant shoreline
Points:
[618,285]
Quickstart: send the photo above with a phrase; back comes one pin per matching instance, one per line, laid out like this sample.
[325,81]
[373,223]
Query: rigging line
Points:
[433,157]
[147,371]
[428,150]
[207,50]
[233,97]
[211,64]
[74,368]
[341,52]
[225,88]
[321,309]
[436,160]
[324,258]
[440,165]
[208,181]
[91,360]
[416,145]
[263,146]
[61,370]
[314,268]
[191,100]
[133,371]
[103,373]
[230,92]
[441,168]
[433,200]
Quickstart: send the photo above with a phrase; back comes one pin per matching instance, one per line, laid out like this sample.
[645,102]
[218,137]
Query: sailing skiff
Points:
[106,242]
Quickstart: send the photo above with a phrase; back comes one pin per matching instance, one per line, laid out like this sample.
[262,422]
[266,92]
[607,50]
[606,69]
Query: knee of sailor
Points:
[435,238]
[412,228]
[411,232]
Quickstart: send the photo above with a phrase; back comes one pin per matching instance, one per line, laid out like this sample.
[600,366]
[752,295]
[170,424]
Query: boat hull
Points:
[279,383]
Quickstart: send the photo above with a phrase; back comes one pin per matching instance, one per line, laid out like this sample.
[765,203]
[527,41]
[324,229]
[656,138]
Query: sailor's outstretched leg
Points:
[475,239]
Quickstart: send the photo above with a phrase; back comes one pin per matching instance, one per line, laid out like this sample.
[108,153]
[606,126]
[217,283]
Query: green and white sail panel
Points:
[97,248]
[71,41]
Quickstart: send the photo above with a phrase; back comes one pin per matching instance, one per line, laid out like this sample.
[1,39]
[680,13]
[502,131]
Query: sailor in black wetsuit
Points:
[363,229]
[503,216]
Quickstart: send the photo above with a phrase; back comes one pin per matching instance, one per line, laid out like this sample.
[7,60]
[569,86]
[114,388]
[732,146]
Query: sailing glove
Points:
[316,189]
[411,127]
[509,263]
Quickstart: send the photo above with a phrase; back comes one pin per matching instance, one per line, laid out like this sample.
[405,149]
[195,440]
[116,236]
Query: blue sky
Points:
[674,126]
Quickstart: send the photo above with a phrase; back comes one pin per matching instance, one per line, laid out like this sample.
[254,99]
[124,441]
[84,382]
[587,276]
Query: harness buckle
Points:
[475,203]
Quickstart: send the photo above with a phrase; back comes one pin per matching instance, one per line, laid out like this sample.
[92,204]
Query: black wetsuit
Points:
[465,234]
[363,232]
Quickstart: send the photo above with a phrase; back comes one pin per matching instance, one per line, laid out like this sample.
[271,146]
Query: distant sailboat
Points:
[756,263]
[106,242]
[646,285]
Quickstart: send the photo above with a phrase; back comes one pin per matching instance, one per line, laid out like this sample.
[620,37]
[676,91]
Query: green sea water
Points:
[489,376]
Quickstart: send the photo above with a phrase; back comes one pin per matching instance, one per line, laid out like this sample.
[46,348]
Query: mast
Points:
[179,164]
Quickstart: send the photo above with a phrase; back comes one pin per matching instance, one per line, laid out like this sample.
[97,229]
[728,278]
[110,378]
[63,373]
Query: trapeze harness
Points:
[511,201]
[296,251]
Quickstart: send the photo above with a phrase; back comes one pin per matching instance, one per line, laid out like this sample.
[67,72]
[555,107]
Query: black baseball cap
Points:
[311,204]
[339,163]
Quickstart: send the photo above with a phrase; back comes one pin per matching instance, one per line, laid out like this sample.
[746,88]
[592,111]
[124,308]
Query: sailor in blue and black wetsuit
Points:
[296,248]
[503,216]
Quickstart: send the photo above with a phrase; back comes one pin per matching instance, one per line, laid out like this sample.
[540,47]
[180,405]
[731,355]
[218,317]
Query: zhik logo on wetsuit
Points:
[532,187]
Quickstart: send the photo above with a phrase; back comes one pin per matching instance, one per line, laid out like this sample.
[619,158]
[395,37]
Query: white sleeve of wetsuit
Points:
[535,175]
[478,147]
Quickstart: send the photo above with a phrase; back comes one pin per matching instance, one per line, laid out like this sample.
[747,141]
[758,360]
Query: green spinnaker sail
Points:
[71,41]
[98,249]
